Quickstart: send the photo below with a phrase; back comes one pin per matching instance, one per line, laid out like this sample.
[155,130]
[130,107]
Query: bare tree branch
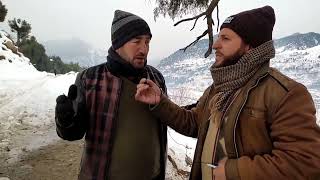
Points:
[194,42]
[194,25]
[218,18]
[210,23]
[210,34]
[213,4]
[189,19]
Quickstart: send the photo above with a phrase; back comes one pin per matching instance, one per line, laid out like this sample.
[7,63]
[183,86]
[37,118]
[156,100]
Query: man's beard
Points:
[232,59]
[140,56]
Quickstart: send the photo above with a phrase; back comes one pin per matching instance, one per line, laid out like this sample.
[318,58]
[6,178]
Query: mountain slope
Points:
[299,41]
[75,50]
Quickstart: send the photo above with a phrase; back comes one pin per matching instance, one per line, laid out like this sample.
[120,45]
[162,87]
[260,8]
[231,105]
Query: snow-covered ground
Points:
[27,100]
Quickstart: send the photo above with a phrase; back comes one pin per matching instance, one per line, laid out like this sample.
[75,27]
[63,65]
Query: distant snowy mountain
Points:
[298,56]
[299,41]
[77,51]
[196,51]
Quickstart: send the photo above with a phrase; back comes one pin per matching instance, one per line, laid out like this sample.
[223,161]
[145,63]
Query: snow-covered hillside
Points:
[76,51]
[27,99]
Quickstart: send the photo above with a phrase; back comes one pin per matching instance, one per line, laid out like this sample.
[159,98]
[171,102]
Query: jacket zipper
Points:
[221,122]
[238,114]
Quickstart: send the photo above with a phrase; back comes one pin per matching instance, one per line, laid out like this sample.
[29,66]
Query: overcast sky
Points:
[91,20]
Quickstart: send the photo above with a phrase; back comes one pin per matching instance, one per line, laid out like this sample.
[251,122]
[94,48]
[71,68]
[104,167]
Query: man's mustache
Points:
[218,53]
[140,56]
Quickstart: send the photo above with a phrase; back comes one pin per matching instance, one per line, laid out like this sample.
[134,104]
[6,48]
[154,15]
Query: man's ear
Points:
[117,50]
[247,47]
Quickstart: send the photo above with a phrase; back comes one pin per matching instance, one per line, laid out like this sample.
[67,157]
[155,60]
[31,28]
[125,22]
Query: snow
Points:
[27,100]
[179,146]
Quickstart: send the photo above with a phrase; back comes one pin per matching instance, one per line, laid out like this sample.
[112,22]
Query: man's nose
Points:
[143,48]
[215,45]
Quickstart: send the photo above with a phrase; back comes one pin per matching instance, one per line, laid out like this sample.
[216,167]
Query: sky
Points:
[91,20]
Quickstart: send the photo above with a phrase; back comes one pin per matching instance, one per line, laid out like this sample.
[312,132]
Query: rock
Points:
[188,161]
[24,149]
[11,46]
[7,148]
[180,172]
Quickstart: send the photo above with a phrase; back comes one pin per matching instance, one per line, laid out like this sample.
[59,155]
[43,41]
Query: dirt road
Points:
[59,161]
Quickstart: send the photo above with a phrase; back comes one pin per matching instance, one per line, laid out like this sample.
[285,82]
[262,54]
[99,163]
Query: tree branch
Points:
[218,18]
[189,19]
[210,34]
[210,23]
[194,25]
[194,42]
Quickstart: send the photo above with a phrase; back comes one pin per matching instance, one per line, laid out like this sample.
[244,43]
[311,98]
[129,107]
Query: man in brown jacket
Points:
[253,122]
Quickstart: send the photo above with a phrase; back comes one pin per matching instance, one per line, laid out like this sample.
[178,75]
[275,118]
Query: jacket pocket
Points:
[254,131]
[254,113]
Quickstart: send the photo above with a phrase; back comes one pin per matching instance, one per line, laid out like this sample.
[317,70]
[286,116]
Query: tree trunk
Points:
[18,38]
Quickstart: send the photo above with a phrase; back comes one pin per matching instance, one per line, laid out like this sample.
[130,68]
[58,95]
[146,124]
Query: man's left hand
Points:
[219,172]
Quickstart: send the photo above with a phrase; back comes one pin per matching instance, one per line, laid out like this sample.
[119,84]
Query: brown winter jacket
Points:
[270,133]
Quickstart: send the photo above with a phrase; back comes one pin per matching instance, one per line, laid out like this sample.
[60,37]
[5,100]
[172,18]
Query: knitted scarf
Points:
[230,78]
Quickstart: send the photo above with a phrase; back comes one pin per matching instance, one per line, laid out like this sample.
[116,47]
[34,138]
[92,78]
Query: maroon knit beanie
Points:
[254,26]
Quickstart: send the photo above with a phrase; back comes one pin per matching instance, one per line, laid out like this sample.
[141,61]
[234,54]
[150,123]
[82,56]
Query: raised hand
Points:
[64,107]
[148,92]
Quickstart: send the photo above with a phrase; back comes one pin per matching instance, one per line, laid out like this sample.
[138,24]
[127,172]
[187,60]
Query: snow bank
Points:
[27,101]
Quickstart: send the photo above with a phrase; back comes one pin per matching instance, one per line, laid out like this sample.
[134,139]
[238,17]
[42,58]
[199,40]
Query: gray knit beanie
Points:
[126,26]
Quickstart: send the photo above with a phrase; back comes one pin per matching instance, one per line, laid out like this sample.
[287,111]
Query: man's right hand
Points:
[64,107]
[148,92]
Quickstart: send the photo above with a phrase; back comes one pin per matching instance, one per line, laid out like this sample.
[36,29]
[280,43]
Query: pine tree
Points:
[21,27]
[3,12]
[36,52]
[175,8]
[179,8]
